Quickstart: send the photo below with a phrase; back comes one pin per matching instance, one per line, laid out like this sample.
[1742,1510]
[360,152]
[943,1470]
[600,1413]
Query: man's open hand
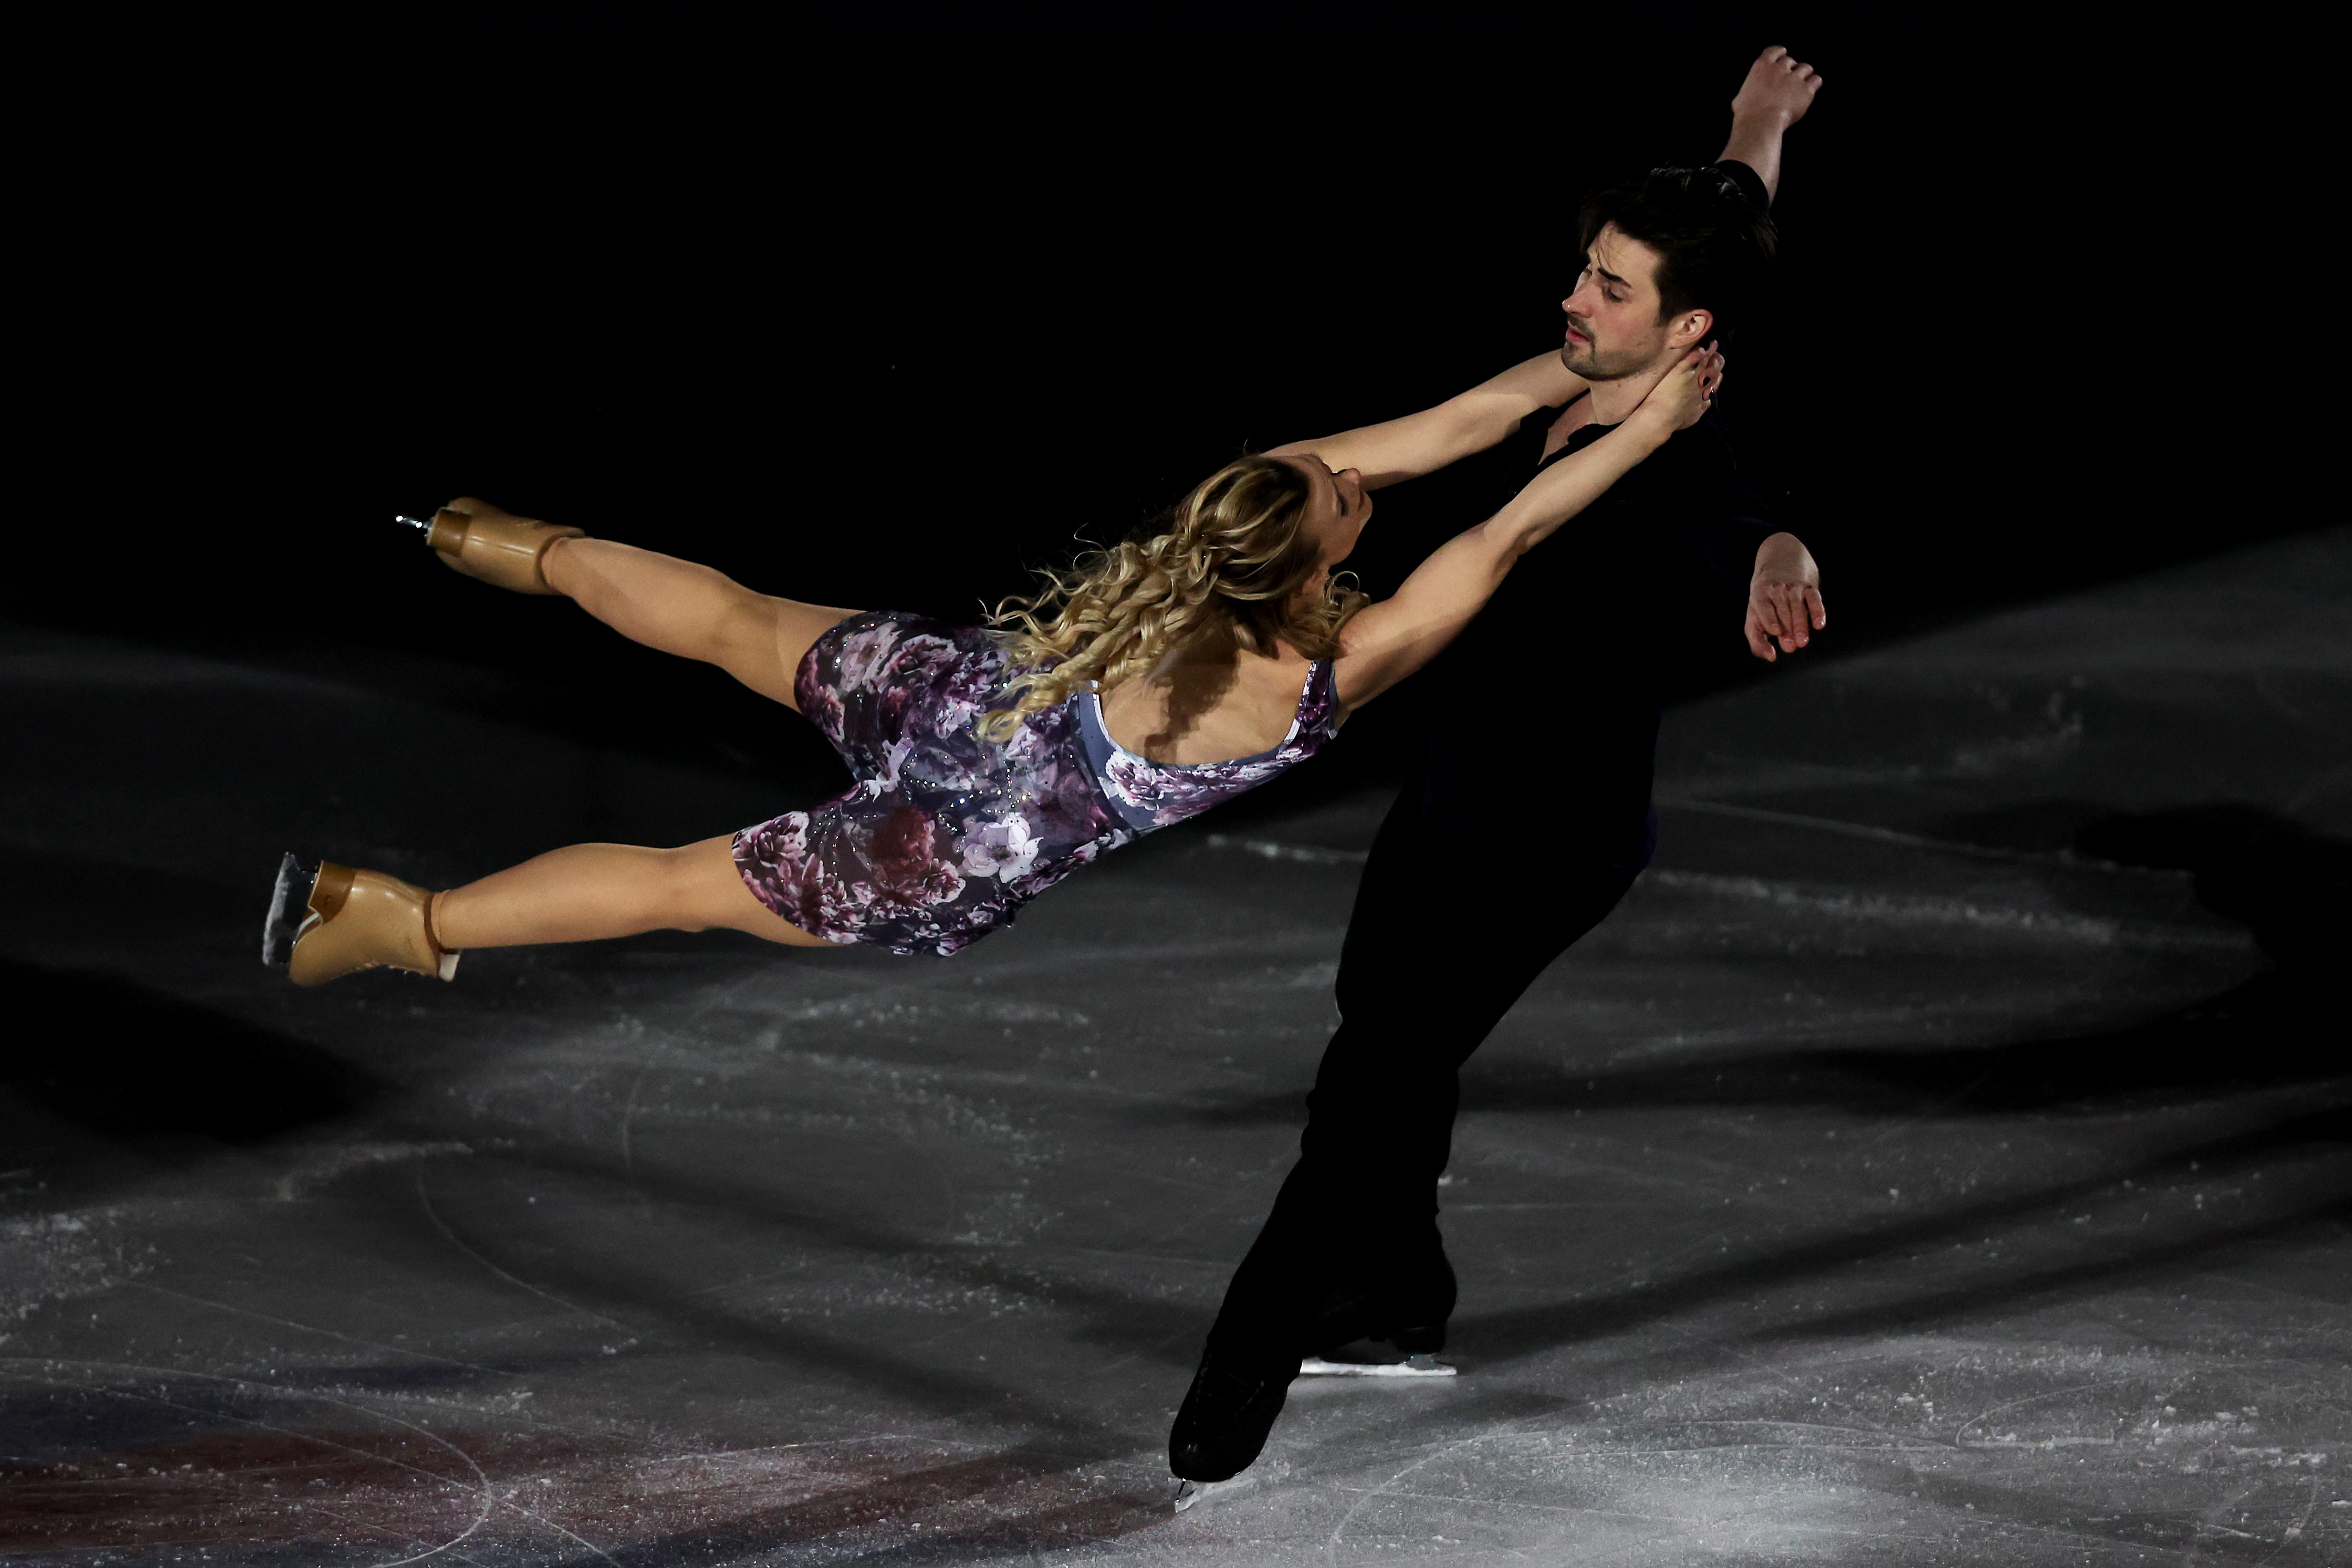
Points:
[1778,87]
[1784,598]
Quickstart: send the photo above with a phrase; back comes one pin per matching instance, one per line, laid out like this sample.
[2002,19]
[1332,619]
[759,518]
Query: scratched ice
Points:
[1929,1163]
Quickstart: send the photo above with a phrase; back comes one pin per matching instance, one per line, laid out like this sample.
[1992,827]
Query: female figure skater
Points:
[1140,688]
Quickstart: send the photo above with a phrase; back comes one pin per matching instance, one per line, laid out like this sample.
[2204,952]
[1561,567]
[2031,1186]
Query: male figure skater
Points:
[1532,855]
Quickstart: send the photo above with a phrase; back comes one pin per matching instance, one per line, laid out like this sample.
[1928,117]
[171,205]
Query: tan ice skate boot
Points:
[478,539]
[357,919]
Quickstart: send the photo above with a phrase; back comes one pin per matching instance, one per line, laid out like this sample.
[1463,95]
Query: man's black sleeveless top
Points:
[1547,708]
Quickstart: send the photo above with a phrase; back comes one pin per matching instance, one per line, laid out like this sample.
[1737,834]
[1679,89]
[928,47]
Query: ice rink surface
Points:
[1943,1157]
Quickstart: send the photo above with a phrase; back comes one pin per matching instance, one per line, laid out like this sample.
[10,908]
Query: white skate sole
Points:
[1412,1366]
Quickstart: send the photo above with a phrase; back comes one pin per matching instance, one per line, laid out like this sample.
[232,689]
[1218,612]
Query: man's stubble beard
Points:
[1592,366]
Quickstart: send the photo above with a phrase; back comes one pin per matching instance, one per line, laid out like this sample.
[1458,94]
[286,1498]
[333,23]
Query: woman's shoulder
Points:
[1278,679]
[1287,657]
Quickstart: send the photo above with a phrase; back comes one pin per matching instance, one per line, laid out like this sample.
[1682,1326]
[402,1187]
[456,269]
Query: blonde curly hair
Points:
[1225,576]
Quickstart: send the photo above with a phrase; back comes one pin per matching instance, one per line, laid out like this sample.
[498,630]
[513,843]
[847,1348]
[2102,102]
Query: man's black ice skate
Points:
[1225,1417]
[1407,1311]
[1338,1363]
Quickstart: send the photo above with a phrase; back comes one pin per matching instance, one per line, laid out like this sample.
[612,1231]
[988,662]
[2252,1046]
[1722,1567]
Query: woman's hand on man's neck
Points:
[1612,400]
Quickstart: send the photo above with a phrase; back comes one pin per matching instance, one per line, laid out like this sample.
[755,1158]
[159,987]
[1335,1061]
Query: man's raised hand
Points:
[1778,86]
[1784,598]
[1779,90]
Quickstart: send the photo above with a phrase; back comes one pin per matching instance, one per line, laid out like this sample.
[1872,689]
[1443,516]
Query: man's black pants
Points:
[1444,937]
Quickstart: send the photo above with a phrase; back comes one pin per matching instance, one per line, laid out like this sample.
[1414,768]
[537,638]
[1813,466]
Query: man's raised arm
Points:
[1422,443]
[1779,90]
[1784,595]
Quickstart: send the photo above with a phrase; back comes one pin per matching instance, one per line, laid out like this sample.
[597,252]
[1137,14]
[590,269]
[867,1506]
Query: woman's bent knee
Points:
[713,895]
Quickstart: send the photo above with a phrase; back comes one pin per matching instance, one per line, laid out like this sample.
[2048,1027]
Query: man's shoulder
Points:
[1706,445]
[1750,184]
[1694,475]
[1697,462]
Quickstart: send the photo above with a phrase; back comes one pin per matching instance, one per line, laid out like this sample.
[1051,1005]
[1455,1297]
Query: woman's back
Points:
[1196,712]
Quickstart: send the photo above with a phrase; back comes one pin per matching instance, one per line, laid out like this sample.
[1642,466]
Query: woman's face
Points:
[1337,510]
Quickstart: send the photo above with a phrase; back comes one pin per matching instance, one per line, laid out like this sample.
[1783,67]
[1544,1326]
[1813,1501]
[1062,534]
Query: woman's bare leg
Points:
[584,892]
[692,611]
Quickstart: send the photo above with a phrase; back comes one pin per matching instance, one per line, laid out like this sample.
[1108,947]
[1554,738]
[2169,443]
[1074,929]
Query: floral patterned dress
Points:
[945,836]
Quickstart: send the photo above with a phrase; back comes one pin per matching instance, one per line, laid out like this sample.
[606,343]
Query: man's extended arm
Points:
[1422,443]
[1784,595]
[1779,90]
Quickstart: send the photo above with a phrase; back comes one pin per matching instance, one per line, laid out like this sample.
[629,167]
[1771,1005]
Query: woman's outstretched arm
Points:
[1398,449]
[1389,640]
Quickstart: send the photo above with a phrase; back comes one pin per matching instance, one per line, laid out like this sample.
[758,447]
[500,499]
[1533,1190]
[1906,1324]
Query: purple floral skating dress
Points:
[945,836]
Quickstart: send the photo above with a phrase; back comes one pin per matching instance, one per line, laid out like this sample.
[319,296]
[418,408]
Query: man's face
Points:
[1613,328]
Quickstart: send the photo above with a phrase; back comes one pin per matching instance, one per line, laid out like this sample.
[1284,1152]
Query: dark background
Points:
[881,308]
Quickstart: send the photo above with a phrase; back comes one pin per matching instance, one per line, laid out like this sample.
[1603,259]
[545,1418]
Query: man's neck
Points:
[1613,401]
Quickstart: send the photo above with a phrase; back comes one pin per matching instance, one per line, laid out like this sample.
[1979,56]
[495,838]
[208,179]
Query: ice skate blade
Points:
[1412,1366]
[288,911]
[1190,1492]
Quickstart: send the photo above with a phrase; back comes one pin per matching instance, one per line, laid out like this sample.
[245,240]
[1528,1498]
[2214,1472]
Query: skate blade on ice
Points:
[290,908]
[1190,1492]
[1412,1366]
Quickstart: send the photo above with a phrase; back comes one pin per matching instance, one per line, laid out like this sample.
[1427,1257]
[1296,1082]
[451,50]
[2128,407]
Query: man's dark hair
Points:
[1714,245]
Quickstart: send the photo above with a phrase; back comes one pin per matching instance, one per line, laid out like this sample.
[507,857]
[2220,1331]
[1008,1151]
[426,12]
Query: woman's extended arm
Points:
[1399,449]
[1389,640]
